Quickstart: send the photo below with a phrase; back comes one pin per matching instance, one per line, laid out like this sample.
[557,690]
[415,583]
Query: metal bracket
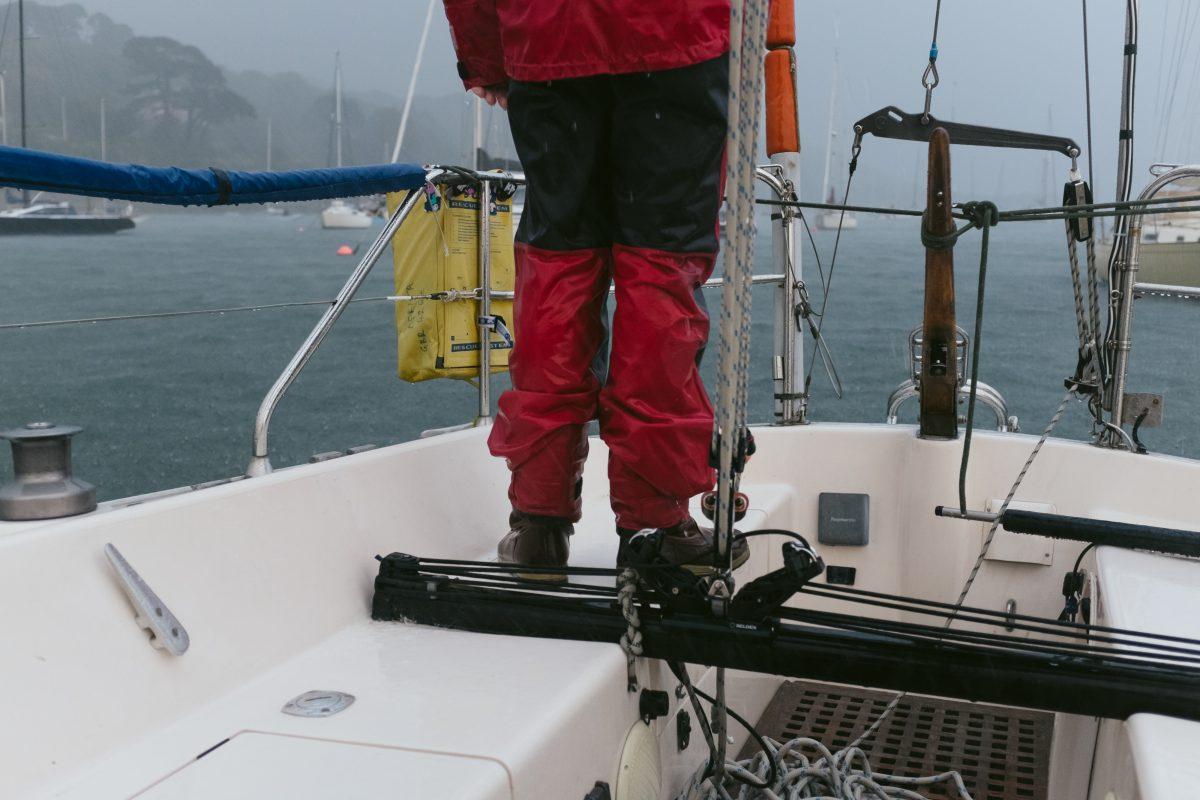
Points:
[166,632]
[1139,403]
[718,595]
[495,323]
[890,122]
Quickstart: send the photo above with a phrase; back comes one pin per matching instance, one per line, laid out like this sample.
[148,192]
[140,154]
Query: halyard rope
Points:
[747,43]
[748,35]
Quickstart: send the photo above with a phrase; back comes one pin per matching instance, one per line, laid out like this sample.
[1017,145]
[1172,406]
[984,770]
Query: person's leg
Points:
[563,258]
[667,154]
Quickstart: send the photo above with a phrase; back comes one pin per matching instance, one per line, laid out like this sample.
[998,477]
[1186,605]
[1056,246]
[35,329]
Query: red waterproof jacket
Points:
[542,40]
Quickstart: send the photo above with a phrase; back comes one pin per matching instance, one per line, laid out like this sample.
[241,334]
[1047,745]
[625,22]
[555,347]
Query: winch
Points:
[43,486]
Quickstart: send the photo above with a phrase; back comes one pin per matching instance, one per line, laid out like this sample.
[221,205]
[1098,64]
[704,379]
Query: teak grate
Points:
[1002,753]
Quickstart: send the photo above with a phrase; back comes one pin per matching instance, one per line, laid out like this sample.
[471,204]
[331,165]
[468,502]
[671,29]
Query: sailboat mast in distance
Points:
[825,188]
[412,82]
[3,113]
[831,219]
[21,60]
[337,105]
[339,213]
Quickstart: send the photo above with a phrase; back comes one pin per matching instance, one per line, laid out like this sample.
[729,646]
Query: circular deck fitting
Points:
[318,704]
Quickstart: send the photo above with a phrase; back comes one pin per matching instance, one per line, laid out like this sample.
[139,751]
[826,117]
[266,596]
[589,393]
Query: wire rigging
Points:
[930,78]
[828,283]
[1087,93]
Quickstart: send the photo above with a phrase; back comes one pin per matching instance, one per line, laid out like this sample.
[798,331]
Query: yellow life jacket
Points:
[437,250]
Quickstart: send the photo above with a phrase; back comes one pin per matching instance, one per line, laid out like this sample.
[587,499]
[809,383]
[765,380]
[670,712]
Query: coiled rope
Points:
[844,775]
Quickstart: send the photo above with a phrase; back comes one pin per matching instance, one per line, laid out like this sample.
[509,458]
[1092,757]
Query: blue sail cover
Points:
[50,172]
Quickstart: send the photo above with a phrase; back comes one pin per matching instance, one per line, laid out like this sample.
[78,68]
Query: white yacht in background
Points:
[830,220]
[340,213]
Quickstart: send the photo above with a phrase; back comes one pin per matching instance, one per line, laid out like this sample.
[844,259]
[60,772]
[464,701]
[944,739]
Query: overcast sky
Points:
[1015,64]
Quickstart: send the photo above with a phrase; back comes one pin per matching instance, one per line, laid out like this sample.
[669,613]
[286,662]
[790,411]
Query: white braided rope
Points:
[631,639]
[1087,320]
[1093,285]
[748,21]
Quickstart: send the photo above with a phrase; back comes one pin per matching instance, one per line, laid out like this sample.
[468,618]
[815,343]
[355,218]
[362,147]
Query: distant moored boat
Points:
[60,218]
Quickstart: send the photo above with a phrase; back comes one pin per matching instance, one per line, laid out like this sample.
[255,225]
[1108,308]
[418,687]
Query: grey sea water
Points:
[168,402]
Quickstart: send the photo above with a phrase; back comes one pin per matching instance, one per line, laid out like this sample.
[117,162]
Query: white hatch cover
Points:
[253,766]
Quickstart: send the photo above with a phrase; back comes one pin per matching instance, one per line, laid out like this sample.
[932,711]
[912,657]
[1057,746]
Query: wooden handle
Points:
[939,363]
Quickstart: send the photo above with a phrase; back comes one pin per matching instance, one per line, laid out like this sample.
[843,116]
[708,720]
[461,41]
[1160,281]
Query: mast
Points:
[829,140]
[3,113]
[268,144]
[21,60]
[103,130]
[412,82]
[337,104]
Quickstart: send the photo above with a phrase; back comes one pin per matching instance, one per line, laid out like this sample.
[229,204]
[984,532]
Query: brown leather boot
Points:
[686,545]
[537,541]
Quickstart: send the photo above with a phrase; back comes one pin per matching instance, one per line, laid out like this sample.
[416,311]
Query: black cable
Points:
[906,212]
[772,532]
[987,216]
[774,773]
[681,674]
[1020,216]
[919,606]
[816,255]
[1082,553]
[1119,649]
[1074,211]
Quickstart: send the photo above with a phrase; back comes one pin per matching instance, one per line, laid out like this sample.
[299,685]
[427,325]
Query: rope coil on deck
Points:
[845,775]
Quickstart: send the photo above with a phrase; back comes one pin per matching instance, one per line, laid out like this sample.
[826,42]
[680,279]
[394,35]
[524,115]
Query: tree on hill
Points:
[178,91]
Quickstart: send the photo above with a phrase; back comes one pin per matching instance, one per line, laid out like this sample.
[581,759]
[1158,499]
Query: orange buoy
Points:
[345,250]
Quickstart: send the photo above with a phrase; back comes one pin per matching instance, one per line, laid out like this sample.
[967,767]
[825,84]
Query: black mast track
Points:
[1079,678]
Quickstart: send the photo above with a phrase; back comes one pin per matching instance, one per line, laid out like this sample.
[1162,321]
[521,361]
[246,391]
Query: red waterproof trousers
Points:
[624,186]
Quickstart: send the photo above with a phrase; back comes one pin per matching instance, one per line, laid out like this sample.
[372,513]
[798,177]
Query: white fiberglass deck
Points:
[272,578]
